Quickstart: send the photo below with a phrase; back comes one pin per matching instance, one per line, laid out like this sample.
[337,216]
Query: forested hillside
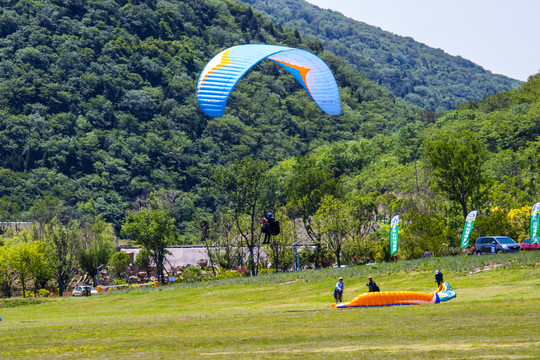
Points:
[98,103]
[99,117]
[420,75]
[98,110]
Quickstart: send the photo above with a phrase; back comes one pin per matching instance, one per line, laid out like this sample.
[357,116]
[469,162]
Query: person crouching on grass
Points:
[338,291]
[372,285]
[439,280]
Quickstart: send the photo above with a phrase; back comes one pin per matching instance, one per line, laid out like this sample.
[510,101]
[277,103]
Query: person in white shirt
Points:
[338,291]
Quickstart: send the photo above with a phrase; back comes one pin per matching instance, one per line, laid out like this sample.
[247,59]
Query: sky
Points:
[502,36]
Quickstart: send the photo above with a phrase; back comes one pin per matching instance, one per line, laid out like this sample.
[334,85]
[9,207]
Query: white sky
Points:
[502,36]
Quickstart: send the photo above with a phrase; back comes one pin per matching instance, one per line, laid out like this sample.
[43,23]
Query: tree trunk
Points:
[464,208]
[252,259]
[161,277]
[416,175]
[318,260]
[60,288]
[252,244]
[317,242]
[23,287]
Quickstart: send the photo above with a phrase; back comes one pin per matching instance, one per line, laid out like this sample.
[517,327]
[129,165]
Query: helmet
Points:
[270,215]
[436,271]
[340,278]
[370,277]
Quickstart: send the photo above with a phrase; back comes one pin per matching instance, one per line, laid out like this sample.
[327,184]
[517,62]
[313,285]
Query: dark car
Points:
[495,244]
[527,246]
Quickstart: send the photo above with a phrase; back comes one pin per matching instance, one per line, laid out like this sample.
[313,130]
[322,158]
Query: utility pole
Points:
[295,264]
[97,274]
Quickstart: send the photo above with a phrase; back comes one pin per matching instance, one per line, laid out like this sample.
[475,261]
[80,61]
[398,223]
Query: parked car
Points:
[78,291]
[527,246]
[494,245]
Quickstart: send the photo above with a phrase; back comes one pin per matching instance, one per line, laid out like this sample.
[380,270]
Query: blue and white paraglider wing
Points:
[221,74]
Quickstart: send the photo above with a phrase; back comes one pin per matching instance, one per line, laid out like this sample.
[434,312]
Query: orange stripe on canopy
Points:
[303,71]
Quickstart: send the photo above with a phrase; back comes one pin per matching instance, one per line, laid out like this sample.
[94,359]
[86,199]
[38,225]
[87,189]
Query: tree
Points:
[205,228]
[21,255]
[228,248]
[456,162]
[306,188]
[497,222]
[334,222]
[409,142]
[143,260]
[45,210]
[7,275]
[97,246]
[363,209]
[279,249]
[243,182]
[152,229]
[421,231]
[119,263]
[39,268]
[63,251]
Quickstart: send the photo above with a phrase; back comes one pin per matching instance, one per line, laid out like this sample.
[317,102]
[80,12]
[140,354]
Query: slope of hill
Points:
[420,75]
[98,101]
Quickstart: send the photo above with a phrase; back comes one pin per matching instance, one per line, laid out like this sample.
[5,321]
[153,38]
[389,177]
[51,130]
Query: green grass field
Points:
[495,316]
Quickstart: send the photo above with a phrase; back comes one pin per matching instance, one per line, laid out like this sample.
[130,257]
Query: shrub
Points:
[311,255]
[44,293]
[502,222]
[192,274]
[359,260]
[119,263]
[446,250]
[421,231]
[242,271]
[228,274]
[143,260]
[359,252]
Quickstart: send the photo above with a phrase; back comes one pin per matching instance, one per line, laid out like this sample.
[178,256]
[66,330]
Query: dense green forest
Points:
[98,103]
[414,72]
[98,116]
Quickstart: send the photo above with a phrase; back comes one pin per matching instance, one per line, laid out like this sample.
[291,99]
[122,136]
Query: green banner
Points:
[394,230]
[535,222]
[469,225]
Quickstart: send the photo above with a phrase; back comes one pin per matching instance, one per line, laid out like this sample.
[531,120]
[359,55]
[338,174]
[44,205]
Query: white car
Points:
[78,291]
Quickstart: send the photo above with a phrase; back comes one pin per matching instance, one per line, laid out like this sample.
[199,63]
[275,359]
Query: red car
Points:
[526,245]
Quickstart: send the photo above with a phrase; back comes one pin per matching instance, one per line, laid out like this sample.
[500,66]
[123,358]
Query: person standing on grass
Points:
[338,291]
[372,285]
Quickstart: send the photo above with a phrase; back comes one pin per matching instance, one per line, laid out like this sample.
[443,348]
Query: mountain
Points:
[414,72]
[98,103]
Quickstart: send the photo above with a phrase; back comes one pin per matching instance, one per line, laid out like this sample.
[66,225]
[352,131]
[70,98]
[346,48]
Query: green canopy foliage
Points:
[98,110]
[98,103]
[152,229]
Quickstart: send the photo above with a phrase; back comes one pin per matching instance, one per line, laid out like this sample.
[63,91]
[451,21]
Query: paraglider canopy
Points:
[221,74]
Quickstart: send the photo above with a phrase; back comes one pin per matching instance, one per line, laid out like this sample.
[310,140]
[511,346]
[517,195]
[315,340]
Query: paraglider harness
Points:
[269,226]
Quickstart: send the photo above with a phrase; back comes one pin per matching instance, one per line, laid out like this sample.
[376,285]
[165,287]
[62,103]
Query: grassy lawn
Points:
[495,316]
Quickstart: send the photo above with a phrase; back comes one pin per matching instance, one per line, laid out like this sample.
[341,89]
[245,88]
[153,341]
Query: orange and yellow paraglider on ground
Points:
[391,298]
